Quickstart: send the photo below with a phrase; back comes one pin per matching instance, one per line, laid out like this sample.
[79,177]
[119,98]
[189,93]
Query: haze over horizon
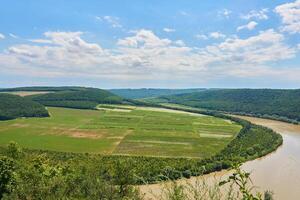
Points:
[169,44]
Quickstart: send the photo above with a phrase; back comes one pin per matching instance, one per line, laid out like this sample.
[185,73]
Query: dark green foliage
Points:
[150,92]
[268,195]
[87,98]
[268,103]
[7,179]
[39,176]
[12,106]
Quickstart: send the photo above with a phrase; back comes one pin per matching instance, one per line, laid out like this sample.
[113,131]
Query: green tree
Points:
[7,175]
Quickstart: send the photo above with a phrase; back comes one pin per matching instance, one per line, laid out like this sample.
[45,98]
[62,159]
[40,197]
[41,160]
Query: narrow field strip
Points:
[159,142]
[215,135]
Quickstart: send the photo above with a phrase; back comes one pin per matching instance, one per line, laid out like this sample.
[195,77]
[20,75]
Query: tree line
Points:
[277,104]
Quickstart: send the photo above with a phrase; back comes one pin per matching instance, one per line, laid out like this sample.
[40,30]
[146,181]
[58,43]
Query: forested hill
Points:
[12,106]
[150,92]
[270,103]
[85,98]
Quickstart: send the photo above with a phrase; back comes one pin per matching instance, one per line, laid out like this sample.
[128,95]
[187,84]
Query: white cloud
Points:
[179,43]
[225,12]
[2,36]
[217,35]
[144,55]
[66,49]
[201,37]
[290,14]
[113,21]
[214,35]
[250,26]
[256,14]
[144,38]
[169,30]
[42,41]
[264,47]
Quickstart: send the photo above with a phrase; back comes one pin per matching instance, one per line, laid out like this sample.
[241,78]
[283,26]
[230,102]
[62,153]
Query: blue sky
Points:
[161,44]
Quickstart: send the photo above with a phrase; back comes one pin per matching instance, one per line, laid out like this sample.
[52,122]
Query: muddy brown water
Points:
[278,171]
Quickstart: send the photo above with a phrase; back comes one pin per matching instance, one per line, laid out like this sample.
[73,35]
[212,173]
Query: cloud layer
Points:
[144,55]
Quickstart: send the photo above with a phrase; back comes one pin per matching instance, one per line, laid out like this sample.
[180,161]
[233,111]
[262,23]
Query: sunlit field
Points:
[122,130]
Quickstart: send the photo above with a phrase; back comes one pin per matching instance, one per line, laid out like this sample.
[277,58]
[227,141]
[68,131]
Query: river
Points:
[278,171]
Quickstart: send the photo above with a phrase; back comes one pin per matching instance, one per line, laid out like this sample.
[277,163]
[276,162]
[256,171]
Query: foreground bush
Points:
[29,176]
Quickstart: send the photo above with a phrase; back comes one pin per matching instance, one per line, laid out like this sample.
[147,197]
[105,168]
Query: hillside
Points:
[269,103]
[85,98]
[12,107]
[150,92]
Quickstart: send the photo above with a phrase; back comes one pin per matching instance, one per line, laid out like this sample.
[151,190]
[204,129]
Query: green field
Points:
[122,131]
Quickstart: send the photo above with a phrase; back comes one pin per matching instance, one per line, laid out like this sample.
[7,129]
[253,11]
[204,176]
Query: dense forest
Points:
[36,174]
[268,103]
[151,92]
[12,106]
[85,98]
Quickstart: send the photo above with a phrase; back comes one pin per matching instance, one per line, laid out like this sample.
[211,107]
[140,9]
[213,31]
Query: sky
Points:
[150,43]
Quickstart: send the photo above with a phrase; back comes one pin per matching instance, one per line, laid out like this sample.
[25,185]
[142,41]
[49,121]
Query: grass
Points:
[110,130]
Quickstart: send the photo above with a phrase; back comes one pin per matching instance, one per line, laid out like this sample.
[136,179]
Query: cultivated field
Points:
[26,93]
[122,130]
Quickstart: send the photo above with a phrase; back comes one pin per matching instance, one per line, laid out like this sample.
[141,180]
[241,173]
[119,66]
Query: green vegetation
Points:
[148,128]
[84,98]
[150,92]
[43,175]
[267,103]
[12,107]
[129,145]
[122,130]
[25,175]
[36,175]
[117,129]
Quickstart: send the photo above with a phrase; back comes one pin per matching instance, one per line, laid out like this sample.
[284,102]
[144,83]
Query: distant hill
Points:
[149,92]
[270,103]
[84,98]
[12,106]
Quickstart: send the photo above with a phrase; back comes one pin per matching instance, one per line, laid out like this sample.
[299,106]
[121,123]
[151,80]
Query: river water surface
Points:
[278,171]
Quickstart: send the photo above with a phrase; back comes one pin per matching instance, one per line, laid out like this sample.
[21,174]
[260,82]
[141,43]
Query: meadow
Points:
[122,130]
